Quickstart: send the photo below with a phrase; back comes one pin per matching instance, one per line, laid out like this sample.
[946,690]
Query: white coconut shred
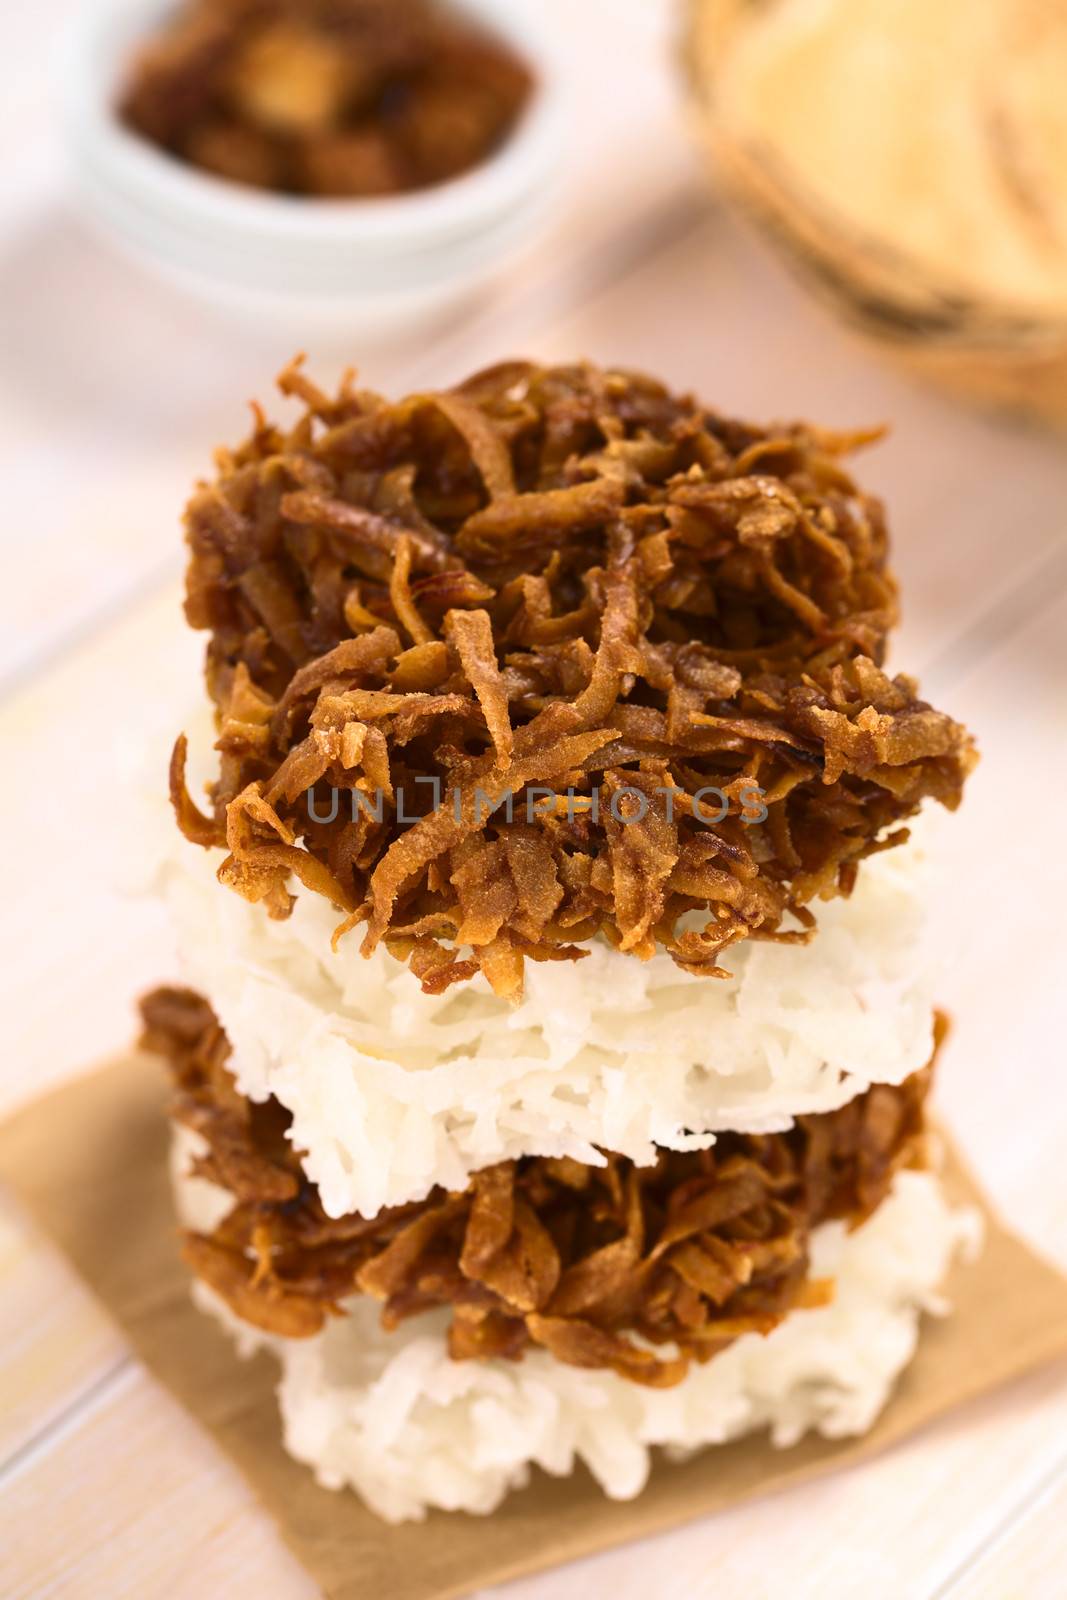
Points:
[393,1091]
[391,1416]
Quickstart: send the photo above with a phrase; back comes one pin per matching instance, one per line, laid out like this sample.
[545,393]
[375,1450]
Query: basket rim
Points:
[882,285]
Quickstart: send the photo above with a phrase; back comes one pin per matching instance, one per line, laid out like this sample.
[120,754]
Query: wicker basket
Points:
[993,355]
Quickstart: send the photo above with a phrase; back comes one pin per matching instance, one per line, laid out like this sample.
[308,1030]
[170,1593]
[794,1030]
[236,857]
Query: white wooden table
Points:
[111,392]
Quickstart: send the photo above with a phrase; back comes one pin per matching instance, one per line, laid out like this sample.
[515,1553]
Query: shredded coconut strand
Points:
[393,1417]
[393,1091]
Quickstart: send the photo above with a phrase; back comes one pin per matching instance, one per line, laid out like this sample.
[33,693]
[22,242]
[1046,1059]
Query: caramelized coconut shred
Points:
[326,98]
[597,1265]
[570,587]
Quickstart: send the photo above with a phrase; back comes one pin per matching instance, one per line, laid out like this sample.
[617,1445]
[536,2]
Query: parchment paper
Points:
[89,1163]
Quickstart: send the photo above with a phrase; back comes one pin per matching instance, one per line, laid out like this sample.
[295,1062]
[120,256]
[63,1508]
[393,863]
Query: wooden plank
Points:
[998,922]
[127,1500]
[81,935]
[56,1343]
[1025,1561]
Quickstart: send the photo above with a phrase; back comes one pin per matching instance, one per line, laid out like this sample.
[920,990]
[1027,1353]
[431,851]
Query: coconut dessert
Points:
[550,1081]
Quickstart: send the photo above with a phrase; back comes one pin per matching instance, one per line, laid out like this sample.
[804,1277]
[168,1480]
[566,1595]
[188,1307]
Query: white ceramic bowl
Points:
[370,265]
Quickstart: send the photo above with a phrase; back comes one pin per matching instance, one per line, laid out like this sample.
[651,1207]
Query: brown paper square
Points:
[89,1162]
